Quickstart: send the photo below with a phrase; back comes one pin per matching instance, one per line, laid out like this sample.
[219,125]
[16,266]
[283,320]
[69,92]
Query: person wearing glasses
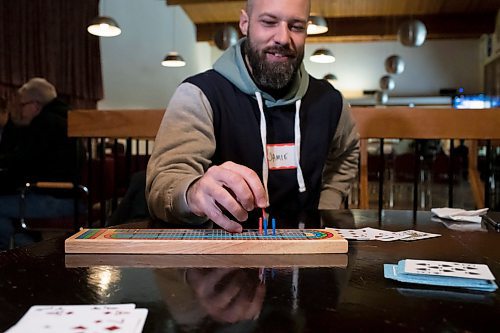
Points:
[255,131]
[34,147]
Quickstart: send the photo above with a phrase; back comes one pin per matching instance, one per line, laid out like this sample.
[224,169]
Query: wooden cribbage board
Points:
[204,241]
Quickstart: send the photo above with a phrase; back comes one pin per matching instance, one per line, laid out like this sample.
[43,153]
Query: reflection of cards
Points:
[123,318]
[448,268]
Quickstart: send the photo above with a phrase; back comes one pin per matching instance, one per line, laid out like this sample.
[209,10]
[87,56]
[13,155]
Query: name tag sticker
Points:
[281,156]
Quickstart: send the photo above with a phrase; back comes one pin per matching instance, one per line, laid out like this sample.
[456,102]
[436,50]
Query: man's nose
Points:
[282,35]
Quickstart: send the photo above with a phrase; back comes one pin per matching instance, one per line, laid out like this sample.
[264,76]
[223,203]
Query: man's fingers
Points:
[229,188]
[215,214]
[235,185]
[252,180]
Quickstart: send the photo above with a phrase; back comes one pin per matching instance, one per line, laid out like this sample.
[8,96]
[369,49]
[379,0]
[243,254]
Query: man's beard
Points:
[272,75]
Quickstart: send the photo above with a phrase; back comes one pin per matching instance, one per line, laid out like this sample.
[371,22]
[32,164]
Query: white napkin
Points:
[457,214]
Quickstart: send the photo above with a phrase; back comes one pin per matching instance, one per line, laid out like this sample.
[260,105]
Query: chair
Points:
[404,174]
[57,223]
[74,190]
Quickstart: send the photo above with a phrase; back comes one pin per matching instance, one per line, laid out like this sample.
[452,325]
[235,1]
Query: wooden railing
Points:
[116,145]
[380,123]
[427,123]
[114,124]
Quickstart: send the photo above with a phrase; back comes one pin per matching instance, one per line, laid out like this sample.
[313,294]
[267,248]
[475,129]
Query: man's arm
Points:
[341,167]
[180,185]
[183,147]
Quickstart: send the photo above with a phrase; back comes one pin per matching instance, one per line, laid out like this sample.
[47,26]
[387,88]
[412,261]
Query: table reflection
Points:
[250,299]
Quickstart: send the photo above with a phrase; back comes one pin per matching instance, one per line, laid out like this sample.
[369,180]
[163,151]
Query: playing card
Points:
[411,235]
[384,235]
[448,268]
[120,318]
[353,234]
[81,324]
[398,273]
[74,310]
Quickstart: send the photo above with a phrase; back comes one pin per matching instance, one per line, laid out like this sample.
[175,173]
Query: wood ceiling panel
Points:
[215,12]
[444,18]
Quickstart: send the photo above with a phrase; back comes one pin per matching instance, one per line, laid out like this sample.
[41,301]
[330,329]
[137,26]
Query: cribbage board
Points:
[204,241]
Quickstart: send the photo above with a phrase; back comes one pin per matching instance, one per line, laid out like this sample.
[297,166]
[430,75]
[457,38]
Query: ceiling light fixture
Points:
[173,58]
[316,25]
[330,78]
[104,26]
[322,56]
[412,33]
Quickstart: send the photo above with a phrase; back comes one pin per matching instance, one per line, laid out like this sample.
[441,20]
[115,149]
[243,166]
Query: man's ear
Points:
[244,22]
[39,108]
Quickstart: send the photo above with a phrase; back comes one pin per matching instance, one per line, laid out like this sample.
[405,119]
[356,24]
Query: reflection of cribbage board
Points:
[205,241]
[206,260]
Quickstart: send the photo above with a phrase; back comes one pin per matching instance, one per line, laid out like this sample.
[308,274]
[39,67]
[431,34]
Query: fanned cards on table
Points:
[124,318]
[442,273]
[383,235]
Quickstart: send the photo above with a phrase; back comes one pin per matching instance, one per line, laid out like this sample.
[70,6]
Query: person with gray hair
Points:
[35,147]
[33,95]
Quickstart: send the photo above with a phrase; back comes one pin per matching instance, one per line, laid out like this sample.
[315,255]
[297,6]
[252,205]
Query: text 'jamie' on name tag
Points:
[281,156]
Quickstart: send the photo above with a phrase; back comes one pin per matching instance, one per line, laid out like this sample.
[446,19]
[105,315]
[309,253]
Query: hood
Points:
[58,107]
[232,66]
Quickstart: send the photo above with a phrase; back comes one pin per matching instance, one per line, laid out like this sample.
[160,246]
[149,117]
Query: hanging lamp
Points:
[173,58]
[322,56]
[226,37]
[316,25]
[104,26]
[394,64]
[412,33]
[330,78]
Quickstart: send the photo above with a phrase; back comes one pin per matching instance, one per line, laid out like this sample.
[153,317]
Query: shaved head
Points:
[251,3]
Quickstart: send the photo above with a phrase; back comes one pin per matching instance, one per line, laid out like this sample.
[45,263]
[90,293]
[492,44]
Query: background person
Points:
[35,147]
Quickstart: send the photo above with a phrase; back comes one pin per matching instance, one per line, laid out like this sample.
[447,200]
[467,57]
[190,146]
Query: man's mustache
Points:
[285,51]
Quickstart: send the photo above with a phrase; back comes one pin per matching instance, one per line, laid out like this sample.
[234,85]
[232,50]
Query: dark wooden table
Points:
[319,293]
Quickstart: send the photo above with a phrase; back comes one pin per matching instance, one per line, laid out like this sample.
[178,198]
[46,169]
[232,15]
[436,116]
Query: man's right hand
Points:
[230,186]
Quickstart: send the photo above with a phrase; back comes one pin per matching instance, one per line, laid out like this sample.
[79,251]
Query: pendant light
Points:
[322,56]
[387,83]
[173,58]
[104,26]
[226,37]
[381,97]
[316,25]
[394,64]
[412,33]
[331,78]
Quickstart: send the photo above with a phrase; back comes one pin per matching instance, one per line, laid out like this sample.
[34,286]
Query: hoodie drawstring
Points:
[263,138]
[297,135]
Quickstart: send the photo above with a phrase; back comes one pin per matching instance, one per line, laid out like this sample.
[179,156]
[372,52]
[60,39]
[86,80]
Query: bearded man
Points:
[256,131]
